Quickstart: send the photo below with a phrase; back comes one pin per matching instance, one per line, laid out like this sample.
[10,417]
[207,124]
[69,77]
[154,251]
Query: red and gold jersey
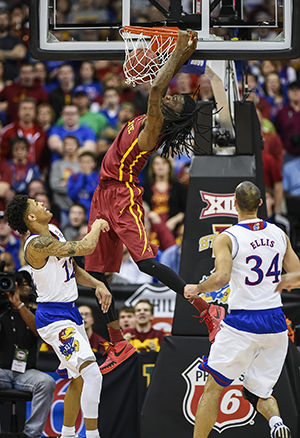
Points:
[146,341]
[124,160]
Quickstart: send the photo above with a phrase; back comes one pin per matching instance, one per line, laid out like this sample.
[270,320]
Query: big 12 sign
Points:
[234,410]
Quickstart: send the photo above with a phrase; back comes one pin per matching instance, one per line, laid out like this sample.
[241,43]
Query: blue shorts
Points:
[260,322]
[50,312]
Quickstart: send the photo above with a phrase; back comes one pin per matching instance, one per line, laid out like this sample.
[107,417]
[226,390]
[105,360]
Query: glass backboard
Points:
[227,29]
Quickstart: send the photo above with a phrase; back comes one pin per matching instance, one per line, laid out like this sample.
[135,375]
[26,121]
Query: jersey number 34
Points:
[273,270]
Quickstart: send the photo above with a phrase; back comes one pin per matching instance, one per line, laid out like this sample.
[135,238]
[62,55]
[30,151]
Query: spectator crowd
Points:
[59,118]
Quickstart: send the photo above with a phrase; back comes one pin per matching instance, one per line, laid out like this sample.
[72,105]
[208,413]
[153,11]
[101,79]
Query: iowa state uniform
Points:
[253,339]
[118,199]
[149,341]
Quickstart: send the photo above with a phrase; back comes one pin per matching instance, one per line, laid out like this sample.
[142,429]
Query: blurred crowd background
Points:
[58,119]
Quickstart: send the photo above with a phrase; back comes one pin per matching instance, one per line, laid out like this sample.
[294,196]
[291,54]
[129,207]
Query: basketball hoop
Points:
[146,51]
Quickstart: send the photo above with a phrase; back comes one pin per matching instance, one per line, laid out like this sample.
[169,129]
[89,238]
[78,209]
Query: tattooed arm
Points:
[44,245]
[185,47]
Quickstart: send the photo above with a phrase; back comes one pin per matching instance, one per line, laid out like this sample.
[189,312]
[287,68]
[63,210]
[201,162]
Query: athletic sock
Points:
[115,334]
[200,304]
[274,420]
[92,433]
[68,432]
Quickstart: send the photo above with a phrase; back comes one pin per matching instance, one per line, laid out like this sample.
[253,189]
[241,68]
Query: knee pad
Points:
[252,398]
[90,396]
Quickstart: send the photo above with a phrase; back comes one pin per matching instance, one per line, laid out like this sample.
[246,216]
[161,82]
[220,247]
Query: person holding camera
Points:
[57,319]
[18,349]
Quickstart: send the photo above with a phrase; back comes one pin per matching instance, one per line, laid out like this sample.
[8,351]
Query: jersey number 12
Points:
[68,276]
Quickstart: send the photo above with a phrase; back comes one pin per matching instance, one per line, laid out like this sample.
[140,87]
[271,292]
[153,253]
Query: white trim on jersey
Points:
[256,266]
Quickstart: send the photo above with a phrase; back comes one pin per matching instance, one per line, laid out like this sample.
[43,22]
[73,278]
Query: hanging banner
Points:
[163,300]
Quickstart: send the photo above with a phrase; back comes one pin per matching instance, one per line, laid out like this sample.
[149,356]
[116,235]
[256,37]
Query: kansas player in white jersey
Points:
[253,339]
[58,320]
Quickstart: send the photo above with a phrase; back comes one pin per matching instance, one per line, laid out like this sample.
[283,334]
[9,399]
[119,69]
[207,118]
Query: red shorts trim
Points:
[120,203]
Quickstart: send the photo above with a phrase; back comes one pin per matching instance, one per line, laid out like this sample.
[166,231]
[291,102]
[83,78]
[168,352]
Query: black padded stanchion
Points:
[177,382]
[177,385]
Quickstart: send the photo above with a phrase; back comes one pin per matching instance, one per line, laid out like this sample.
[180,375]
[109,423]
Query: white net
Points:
[145,55]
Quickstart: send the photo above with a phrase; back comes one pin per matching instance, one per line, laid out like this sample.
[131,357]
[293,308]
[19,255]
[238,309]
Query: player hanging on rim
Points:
[118,198]
[254,338]
[58,320]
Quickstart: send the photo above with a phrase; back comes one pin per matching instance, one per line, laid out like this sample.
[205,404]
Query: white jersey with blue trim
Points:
[55,281]
[258,249]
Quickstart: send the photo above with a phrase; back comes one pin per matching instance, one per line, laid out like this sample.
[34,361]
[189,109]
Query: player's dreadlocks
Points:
[176,135]
[15,212]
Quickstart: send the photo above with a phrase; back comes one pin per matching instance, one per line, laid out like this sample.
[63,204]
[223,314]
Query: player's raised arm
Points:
[47,245]
[185,47]
[291,265]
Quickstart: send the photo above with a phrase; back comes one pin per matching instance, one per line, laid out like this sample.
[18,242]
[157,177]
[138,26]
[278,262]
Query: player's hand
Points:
[152,346]
[104,296]
[127,336]
[104,226]
[191,291]
[186,41]
[186,44]
[101,224]
[288,282]
[193,40]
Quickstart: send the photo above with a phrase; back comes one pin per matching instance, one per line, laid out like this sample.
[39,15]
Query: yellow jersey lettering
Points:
[130,126]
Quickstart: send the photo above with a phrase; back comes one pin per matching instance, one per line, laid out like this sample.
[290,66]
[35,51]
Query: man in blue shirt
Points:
[8,241]
[71,126]
[81,185]
[291,177]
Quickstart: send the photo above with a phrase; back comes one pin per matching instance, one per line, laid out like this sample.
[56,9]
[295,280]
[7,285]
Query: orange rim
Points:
[152,31]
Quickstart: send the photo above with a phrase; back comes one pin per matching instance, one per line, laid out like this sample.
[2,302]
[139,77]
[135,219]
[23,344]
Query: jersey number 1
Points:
[273,270]
[68,276]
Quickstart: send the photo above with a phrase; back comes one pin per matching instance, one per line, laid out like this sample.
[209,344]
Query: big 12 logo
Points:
[234,410]
[218,204]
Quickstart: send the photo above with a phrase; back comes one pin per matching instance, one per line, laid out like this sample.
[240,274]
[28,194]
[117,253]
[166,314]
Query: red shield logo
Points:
[234,410]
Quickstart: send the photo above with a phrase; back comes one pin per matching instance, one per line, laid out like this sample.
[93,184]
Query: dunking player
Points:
[253,339]
[57,318]
[118,198]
